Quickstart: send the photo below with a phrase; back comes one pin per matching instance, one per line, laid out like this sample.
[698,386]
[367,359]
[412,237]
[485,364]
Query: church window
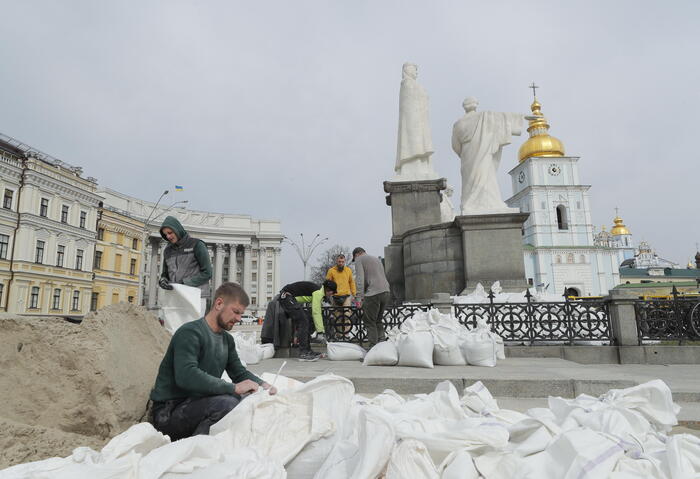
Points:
[570,258]
[557,259]
[562,222]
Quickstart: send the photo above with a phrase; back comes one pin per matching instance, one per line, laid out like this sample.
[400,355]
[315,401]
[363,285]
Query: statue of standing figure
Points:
[414,145]
[478,139]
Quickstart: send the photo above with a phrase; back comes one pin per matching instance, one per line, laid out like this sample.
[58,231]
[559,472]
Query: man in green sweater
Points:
[185,259]
[189,395]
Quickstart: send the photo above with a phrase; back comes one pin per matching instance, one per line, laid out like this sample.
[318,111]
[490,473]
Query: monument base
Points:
[493,251]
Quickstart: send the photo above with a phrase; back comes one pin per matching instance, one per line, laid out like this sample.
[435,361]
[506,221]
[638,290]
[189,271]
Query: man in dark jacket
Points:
[189,395]
[185,260]
[291,298]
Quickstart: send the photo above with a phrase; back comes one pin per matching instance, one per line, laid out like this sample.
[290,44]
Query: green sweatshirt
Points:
[316,300]
[194,362]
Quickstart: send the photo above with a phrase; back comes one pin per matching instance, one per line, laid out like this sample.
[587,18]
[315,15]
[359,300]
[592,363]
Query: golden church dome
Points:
[619,228]
[540,143]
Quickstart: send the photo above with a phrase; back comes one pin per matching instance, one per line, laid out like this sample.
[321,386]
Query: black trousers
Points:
[181,418]
[295,311]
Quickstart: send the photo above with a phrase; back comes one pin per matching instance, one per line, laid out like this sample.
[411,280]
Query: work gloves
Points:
[164,283]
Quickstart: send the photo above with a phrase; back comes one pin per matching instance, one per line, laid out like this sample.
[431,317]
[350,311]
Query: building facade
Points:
[242,249]
[118,259]
[47,227]
[560,251]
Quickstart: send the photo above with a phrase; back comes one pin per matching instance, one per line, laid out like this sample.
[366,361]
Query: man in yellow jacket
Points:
[342,277]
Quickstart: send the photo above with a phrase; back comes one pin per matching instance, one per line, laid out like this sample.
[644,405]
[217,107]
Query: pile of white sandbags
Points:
[323,430]
[248,349]
[480,295]
[430,337]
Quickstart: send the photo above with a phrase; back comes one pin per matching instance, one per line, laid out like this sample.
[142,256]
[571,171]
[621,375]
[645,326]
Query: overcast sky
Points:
[288,109]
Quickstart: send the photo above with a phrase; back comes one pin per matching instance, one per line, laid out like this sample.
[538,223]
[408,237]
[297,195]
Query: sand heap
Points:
[66,385]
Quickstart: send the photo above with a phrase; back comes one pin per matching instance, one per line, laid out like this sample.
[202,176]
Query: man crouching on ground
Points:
[189,395]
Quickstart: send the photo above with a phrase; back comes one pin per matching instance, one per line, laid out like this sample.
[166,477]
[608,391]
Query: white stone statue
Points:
[414,145]
[478,138]
[447,209]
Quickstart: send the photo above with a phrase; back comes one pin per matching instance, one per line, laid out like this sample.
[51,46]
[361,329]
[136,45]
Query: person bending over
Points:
[189,395]
[291,298]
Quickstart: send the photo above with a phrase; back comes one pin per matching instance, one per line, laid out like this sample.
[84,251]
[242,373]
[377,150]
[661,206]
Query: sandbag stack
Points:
[323,430]
[429,337]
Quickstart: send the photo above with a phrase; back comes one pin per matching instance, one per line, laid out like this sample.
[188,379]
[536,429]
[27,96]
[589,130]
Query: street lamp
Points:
[181,202]
[156,206]
[306,250]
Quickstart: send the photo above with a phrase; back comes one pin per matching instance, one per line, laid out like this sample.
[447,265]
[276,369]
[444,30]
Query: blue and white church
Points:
[562,253]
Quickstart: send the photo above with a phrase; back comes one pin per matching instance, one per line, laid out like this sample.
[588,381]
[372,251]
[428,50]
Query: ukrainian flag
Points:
[178,188]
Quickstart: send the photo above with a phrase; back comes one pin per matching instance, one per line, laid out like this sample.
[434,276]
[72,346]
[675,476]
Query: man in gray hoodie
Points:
[185,259]
[372,293]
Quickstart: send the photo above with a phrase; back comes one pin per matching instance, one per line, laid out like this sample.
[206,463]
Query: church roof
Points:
[540,143]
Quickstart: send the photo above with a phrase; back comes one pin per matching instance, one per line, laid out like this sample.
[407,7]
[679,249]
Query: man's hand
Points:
[245,387]
[269,388]
[164,283]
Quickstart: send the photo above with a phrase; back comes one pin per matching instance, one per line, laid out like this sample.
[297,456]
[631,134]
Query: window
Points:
[61,251]
[269,253]
[7,199]
[132,267]
[64,214]
[570,258]
[254,265]
[34,298]
[39,258]
[2,286]
[269,298]
[255,253]
[117,263]
[79,259]
[115,298]
[557,259]
[254,276]
[225,272]
[93,301]
[269,265]
[44,208]
[4,242]
[582,259]
[83,218]
[561,218]
[253,300]
[131,299]
[56,304]
[100,234]
[135,243]
[269,288]
[75,306]
[98,260]
[530,282]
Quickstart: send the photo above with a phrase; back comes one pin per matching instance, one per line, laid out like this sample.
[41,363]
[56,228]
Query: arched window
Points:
[557,259]
[570,258]
[562,221]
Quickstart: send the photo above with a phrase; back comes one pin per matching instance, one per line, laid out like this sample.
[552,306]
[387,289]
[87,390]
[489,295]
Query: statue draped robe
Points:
[414,145]
[478,138]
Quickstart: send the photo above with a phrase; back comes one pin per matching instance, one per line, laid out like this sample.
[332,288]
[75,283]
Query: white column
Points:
[153,273]
[218,265]
[232,263]
[246,267]
[276,278]
[262,277]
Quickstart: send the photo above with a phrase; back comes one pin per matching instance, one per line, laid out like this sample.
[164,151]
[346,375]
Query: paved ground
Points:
[520,383]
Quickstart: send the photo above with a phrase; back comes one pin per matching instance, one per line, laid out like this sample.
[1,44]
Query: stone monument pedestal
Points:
[493,251]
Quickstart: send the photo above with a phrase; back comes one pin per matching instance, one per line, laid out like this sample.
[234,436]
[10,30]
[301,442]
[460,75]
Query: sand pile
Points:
[65,385]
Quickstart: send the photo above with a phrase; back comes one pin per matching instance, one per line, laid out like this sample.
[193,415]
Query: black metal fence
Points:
[673,319]
[344,323]
[561,322]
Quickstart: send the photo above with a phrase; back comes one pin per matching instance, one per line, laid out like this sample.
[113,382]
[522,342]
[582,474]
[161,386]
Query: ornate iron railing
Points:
[674,319]
[344,323]
[565,321]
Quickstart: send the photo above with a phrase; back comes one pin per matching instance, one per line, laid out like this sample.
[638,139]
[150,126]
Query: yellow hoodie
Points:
[344,280]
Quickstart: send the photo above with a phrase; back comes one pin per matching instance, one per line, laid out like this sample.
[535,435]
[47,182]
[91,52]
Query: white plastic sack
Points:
[268,350]
[180,305]
[247,348]
[448,333]
[415,349]
[382,354]
[345,352]
[410,459]
[479,348]
[478,399]
[458,465]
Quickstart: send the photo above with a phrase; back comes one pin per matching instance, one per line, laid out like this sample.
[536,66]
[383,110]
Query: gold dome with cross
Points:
[540,143]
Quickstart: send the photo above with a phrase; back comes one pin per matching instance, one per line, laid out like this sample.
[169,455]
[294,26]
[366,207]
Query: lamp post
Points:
[170,207]
[305,250]
[144,242]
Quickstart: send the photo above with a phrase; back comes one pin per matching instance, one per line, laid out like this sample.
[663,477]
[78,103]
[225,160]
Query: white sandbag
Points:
[281,383]
[410,459]
[447,333]
[458,465]
[345,352]
[479,349]
[241,463]
[478,399]
[652,399]
[500,347]
[683,456]
[179,305]
[306,464]
[416,349]
[268,350]
[501,465]
[382,354]
[247,348]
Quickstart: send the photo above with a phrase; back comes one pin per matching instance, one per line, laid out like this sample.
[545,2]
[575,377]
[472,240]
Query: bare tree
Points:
[326,260]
